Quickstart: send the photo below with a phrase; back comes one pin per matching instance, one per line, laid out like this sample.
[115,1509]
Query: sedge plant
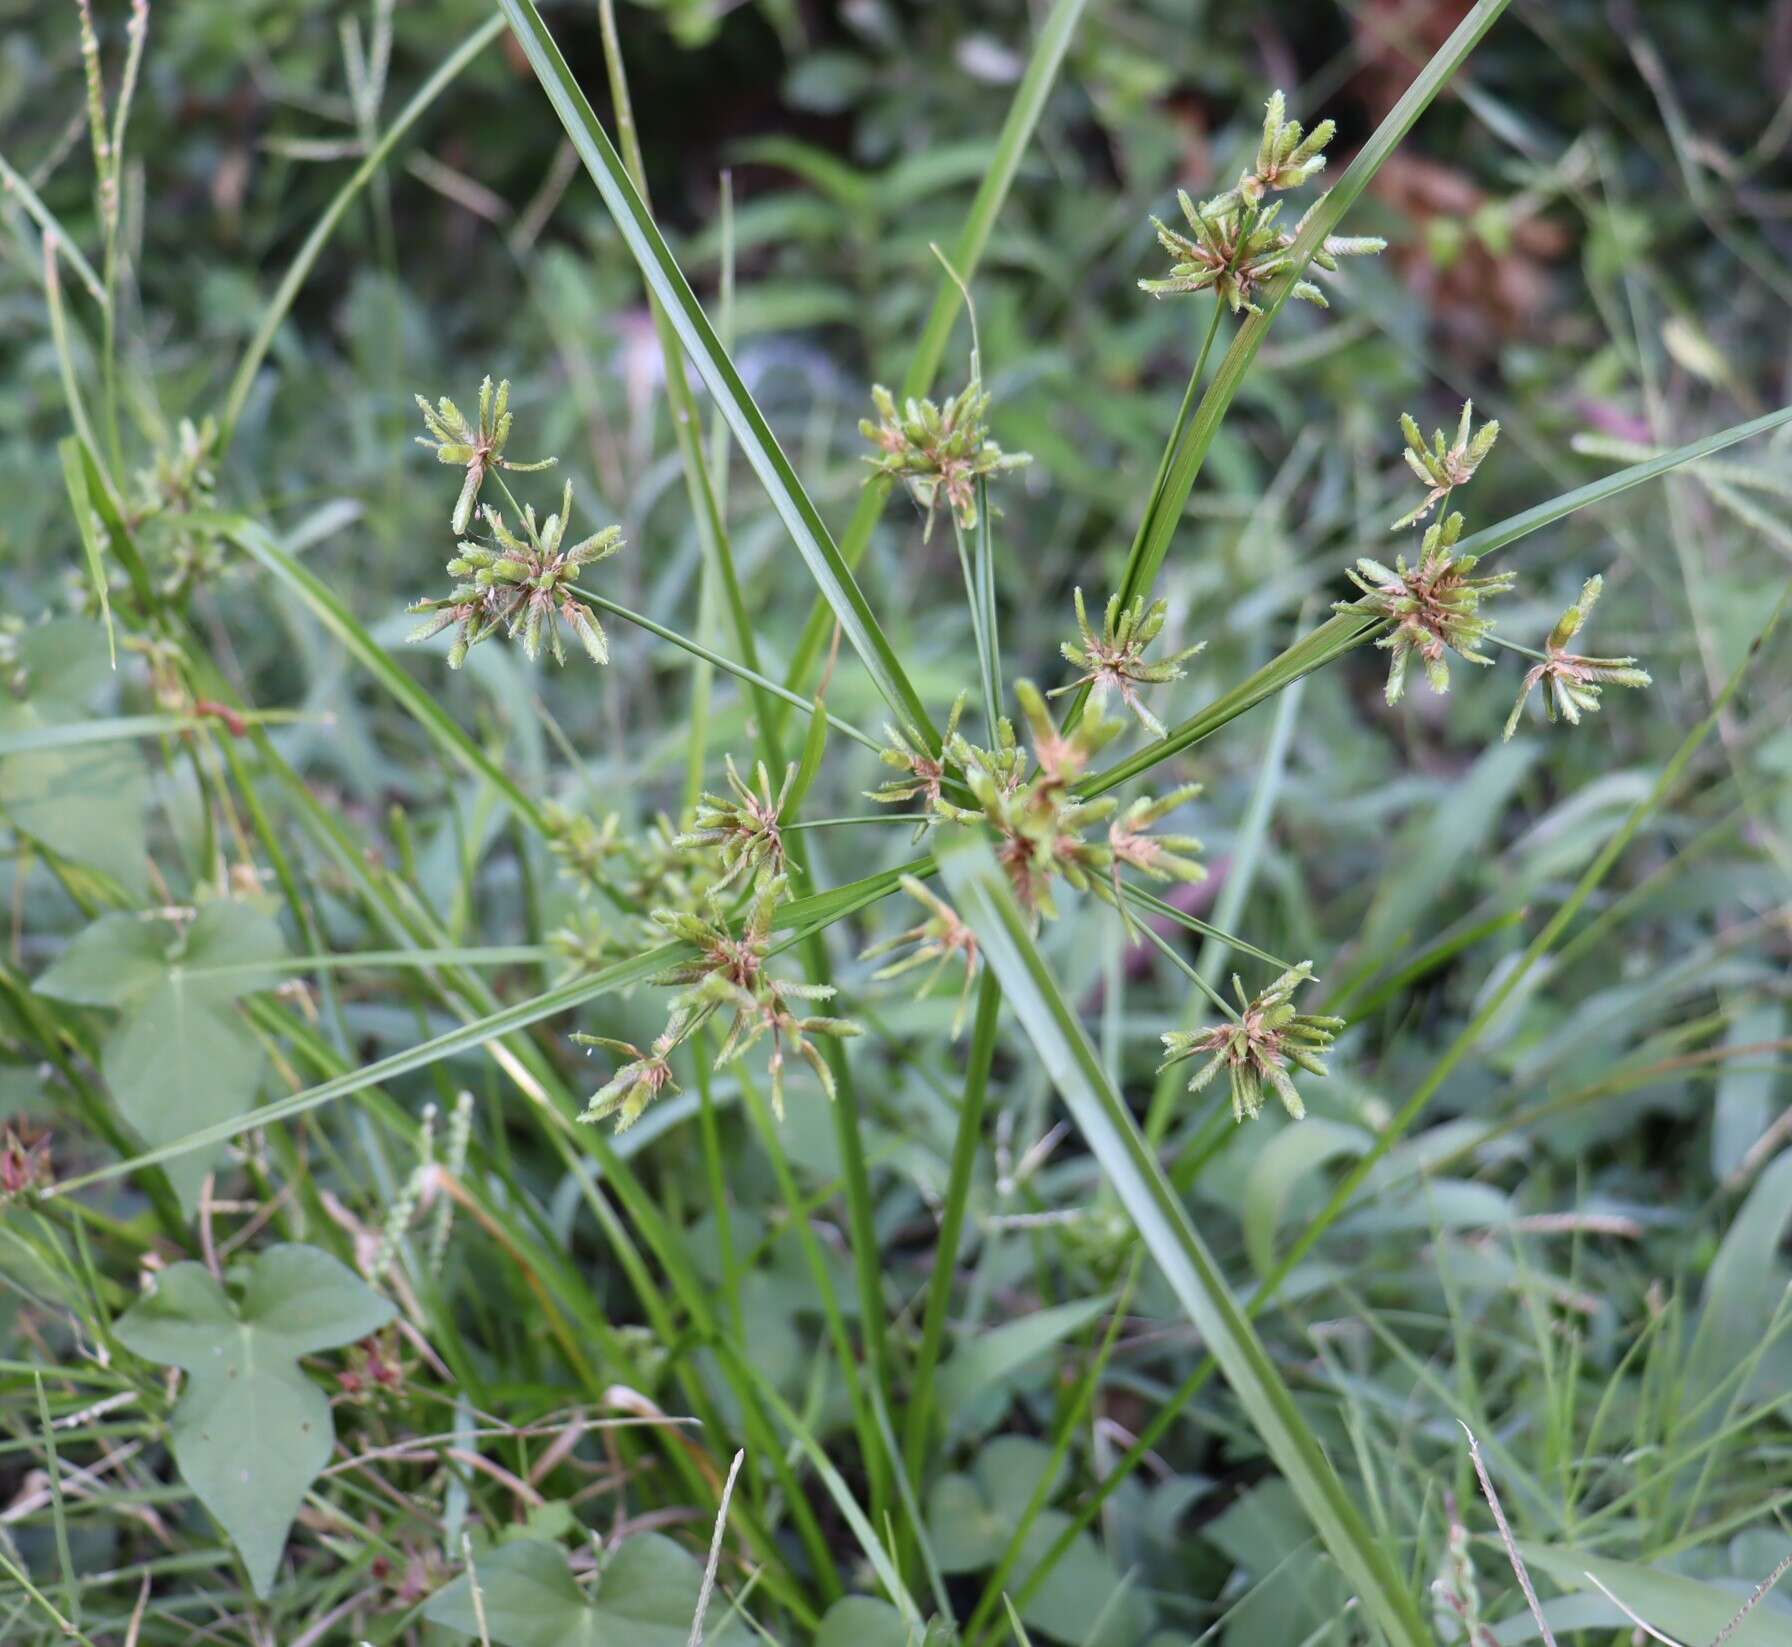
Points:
[728,983]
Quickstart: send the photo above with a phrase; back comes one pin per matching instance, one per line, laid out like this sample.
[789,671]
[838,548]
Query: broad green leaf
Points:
[1282,1600]
[863,1621]
[528,1596]
[116,959]
[84,803]
[179,1059]
[646,1597]
[988,1359]
[1685,1608]
[970,1519]
[979,891]
[1743,1105]
[1743,1289]
[1285,1162]
[251,1432]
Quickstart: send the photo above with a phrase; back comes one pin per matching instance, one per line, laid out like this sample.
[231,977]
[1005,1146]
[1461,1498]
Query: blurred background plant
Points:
[1580,1254]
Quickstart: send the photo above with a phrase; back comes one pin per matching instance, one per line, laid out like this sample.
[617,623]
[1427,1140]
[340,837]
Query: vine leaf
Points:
[179,1057]
[251,1432]
[646,1597]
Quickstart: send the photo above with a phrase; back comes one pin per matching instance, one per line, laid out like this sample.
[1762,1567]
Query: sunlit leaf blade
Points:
[82,801]
[667,281]
[980,892]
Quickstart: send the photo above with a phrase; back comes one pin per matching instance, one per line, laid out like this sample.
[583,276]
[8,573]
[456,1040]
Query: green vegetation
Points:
[665,1085]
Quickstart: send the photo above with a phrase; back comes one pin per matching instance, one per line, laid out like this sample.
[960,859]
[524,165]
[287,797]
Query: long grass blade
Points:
[1149,551]
[967,253]
[981,894]
[1346,630]
[660,269]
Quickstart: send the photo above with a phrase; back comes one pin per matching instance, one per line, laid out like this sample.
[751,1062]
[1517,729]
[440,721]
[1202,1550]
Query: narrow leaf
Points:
[980,893]
[669,286]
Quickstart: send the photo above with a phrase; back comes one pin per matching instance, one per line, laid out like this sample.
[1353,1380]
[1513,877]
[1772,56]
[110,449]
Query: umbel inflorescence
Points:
[520,582]
[1435,606]
[717,882]
[1236,244]
[938,451]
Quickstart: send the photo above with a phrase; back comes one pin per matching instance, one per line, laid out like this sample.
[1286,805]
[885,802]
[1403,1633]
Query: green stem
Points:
[288,289]
[965,1146]
[697,650]
[974,600]
[867,818]
[1155,501]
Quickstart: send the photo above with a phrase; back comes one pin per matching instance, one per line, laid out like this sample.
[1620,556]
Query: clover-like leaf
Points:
[646,1597]
[971,1518]
[867,1621]
[179,1058]
[251,1432]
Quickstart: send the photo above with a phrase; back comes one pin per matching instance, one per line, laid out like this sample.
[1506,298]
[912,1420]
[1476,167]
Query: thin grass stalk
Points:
[967,1142]
[1030,95]
[278,306]
[1459,1049]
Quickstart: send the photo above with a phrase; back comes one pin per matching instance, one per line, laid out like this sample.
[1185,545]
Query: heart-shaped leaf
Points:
[179,1058]
[646,1597]
[251,1432]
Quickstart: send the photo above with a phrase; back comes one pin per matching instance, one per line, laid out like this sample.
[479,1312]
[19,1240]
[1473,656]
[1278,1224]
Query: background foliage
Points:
[1578,1252]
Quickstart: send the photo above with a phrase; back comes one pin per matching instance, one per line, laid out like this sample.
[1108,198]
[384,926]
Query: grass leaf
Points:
[668,284]
[982,897]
